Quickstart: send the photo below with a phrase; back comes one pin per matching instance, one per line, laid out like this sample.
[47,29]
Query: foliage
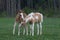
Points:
[49,13]
[27,10]
[45,12]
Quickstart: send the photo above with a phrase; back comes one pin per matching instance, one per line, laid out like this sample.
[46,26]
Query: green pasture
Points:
[51,30]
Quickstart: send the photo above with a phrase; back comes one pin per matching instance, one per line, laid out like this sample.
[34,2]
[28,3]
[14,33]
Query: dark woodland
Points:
[49,8]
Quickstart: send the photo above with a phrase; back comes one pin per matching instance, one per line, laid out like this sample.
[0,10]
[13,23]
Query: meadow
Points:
[51,30]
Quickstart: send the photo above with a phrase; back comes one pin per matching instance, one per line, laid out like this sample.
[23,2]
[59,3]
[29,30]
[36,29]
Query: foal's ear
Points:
[17,11]
[21,11]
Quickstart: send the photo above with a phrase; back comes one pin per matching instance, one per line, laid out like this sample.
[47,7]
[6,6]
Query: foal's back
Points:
[37,17]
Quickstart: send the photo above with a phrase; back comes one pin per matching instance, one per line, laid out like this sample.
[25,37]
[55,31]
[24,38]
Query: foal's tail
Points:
[41,17]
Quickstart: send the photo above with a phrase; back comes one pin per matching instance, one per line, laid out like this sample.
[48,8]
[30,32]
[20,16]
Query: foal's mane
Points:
[21,11]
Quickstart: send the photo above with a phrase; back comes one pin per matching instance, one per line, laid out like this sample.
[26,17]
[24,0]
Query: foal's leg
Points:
[19,29]
[40,28]
[37,29]
[14,28]
[33,29]
[30,29]
[26,30]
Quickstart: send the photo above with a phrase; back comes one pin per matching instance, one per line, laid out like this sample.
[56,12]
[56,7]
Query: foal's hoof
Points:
[40,33]
[37,33]
[23,34]
[26,34]
[18,34]
[13,33]
[32,34]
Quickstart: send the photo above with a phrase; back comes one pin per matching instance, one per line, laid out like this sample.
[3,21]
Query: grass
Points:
[51,30]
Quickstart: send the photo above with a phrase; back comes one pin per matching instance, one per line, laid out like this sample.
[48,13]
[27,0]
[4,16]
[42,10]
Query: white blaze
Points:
[22,15]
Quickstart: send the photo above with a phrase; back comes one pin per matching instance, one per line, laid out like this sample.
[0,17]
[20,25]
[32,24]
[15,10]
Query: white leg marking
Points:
[14,28]
[41,24]
[30,29]
[33,29]
[40,28]
[37,29]
[19,29]
[26,30]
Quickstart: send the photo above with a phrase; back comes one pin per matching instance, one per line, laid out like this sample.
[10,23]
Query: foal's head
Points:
[20,15]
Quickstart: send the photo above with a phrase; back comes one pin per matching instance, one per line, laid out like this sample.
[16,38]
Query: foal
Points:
[34,17]
[19,18]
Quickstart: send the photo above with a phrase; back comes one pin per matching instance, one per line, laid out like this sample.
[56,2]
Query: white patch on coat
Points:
[41,17]
[31,14]
[27,19]
[36,17]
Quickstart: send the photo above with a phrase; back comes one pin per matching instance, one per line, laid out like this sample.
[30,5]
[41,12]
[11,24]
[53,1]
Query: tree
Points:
[30,3]
[8,8]
[19,4]
[55,6]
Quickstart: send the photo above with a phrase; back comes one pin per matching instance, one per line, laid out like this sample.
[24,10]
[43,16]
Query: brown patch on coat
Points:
[39,17]
[34,18]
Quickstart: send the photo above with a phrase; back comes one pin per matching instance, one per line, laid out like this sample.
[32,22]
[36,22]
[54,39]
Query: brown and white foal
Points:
[34,17]
[19,18]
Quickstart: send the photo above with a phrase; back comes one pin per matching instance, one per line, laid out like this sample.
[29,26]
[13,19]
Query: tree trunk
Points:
[55,7]
[8,8]
[31,4]
[19,5]
[12,4]
[28,3]
[13,8]
[48,4]
[59,4]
